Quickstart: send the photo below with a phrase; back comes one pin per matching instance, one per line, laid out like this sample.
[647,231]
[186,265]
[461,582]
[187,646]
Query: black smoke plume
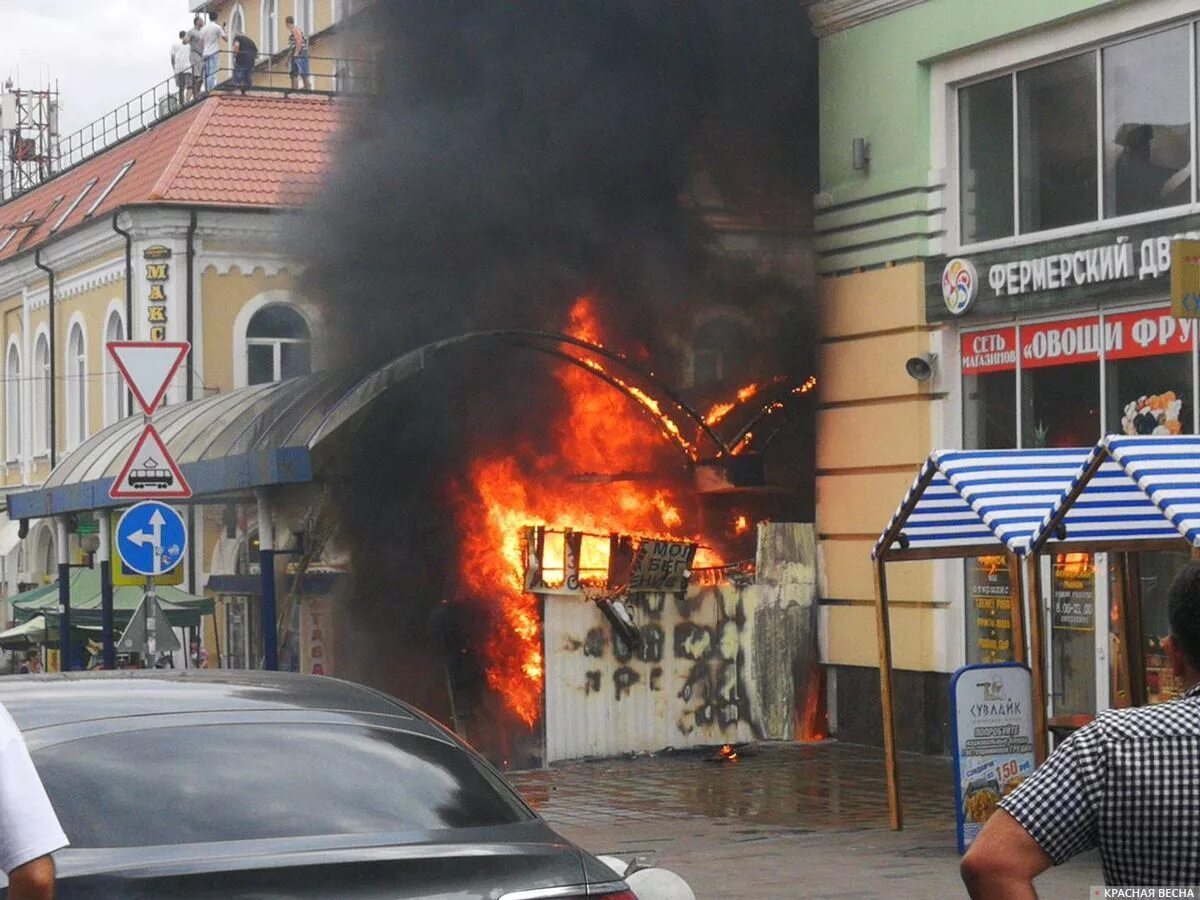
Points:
[512,157]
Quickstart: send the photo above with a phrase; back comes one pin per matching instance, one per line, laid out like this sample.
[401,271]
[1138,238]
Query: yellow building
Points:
[174,234]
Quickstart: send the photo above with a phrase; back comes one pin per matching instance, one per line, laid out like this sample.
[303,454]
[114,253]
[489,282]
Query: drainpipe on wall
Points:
[190,387]
[128,296]
[37,261]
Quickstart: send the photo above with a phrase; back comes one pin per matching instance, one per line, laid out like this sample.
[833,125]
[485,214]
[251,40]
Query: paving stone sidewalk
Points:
[789,821]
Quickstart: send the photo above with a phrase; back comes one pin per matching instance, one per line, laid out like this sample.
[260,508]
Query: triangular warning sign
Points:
[143,475]
[148,367]
[148,621]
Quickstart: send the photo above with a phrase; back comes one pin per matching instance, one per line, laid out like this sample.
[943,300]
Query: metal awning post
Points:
[1016,609]
[64,594]
[1037,653]
[1122,695]
[884,632]
[266,555]
[104,517]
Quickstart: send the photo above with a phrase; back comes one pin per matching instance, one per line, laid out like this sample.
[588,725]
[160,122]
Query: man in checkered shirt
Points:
[1128,783]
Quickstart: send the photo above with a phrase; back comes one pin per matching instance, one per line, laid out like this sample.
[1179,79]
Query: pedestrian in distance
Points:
[33,662]
[181,65]
[1128,783]
[29,828]
[196,46]
[211,36]
[198,656]
[298,53]
[245,55]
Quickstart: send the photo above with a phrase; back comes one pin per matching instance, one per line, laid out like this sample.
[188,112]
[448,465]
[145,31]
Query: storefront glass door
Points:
[1078,642]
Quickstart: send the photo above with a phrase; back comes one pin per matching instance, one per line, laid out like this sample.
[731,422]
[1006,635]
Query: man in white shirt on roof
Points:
[211,36]
[29,829]
[181,64]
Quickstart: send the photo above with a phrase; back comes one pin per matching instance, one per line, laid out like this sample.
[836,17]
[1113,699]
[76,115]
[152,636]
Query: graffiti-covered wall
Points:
[681,688]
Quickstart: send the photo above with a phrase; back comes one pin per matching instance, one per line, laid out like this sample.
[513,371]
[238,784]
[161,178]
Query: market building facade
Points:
[1000,188]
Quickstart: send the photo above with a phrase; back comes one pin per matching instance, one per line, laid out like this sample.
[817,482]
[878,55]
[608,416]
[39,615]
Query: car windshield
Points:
[248,781]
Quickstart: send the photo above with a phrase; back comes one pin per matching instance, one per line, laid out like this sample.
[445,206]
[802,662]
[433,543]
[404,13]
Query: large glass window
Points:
[1056,104]
[1147,123]
[986,159]
[1060,383]
[269,17]
[989,367]
[1101,134]
[1148,374]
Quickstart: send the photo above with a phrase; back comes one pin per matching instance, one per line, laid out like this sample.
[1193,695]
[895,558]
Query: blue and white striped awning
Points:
[1006,499]
[1132,489]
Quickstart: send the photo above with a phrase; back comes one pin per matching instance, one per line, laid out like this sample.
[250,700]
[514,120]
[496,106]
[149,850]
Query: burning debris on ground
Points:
[529,169]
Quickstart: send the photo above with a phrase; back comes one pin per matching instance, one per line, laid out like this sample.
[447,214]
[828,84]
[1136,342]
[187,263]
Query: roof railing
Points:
[328,75]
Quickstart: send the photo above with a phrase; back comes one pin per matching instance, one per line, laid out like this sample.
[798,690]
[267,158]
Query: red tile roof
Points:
[256,150]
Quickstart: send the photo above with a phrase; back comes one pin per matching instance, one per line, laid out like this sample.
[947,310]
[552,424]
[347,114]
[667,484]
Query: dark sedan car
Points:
[239,785]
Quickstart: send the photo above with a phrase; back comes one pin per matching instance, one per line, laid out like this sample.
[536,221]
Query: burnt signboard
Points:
[661,566]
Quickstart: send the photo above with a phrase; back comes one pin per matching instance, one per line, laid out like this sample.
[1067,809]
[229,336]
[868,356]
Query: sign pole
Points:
[884,631]
[64,595]
[106,590]
[1037,660]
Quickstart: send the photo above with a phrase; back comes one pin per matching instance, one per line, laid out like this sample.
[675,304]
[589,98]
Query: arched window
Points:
[269,17]
[237,23]
[42,396]
[278,345]
[46,558]
[76,371]
[114,386]
[721,351]
[12,403]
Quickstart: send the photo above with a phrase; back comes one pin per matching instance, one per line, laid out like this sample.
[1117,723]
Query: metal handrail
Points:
[270,73]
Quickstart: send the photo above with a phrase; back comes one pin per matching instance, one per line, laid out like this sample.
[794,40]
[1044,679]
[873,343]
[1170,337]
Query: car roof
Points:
[43,701]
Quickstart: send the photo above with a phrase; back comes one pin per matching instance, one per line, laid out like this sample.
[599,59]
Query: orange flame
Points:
[508,489]
[741,525]
[728,753]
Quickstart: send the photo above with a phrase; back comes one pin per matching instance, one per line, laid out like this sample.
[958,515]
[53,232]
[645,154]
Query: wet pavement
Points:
[784,821]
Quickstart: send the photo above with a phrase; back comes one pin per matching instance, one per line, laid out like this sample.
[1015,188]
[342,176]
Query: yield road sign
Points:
[148,367]
[150,471]
[151,538]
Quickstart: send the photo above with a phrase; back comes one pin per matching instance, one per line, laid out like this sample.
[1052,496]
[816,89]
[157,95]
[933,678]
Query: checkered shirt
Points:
[1129,783]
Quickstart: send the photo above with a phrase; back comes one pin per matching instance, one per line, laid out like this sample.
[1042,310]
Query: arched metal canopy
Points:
[230,444]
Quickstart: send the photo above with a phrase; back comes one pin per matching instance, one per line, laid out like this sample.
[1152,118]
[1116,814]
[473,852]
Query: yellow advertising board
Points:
[1185,279]
[123,577]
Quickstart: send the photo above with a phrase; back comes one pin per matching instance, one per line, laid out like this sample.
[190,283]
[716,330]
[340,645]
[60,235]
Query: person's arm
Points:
[32,881]
[1003,861]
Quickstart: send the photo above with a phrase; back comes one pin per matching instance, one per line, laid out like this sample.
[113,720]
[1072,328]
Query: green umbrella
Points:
[183,610]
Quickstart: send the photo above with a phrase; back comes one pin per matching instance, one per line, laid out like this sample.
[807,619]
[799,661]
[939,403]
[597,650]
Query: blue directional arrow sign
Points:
[151,538]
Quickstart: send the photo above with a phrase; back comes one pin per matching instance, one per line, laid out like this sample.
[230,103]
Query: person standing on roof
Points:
[211,36]
[29,828]
[181,63]
[298,50]
[245,55]
[196,46]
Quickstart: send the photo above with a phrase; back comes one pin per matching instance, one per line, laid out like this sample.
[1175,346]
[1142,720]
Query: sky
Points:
[101,52]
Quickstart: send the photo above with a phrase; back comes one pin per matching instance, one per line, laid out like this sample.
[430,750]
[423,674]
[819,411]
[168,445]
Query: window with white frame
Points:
[305,16]
[114,385]
[269,19]
[278,345]
[76,371]
[1096,135]
[42,395]
[12,403]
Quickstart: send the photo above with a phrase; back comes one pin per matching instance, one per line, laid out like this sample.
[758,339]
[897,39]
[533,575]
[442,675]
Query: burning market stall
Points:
[1014,503]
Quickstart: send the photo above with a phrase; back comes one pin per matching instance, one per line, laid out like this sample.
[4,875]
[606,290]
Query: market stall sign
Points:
[1128,335]
[992,718]
[1185,279]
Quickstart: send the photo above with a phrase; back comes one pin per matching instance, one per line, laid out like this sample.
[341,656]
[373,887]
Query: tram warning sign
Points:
[148,367]
[149,472]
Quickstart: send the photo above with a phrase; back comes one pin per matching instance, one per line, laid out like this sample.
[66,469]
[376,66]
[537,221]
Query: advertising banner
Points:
[992,717]
[662,566]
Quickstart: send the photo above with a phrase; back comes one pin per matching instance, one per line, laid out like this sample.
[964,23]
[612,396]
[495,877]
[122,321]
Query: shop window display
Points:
[1157,571]
[989,367]
[1072,634]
